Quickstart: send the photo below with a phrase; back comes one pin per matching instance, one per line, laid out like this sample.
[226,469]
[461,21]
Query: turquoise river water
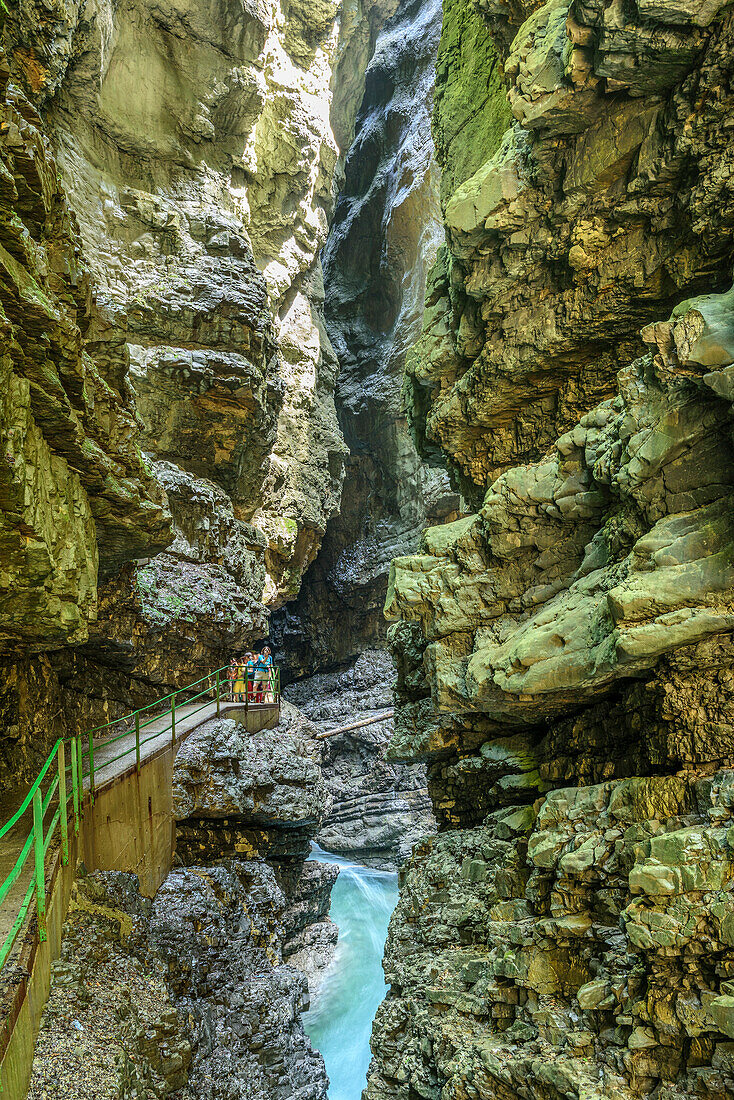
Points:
[339,1021]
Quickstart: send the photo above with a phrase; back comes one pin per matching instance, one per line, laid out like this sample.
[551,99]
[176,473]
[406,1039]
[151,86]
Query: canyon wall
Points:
[173,454]
[564,650]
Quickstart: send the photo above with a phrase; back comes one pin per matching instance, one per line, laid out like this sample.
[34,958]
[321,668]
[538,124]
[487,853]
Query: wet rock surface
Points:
[377,809]
[382,240]
[220,930]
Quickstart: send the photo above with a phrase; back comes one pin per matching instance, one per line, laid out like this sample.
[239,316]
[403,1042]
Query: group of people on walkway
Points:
[252,678]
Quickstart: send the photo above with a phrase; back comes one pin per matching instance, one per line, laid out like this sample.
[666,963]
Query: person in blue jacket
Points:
[263,665]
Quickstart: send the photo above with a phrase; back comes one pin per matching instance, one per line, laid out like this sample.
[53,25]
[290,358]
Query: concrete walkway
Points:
[157,735]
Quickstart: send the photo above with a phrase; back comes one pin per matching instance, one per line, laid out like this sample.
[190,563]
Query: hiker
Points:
[239,683]
[263,665]
[232,676]
[250,676]
[271,674]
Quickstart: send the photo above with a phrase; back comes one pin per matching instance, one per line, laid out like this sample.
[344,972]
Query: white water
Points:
[339,1021]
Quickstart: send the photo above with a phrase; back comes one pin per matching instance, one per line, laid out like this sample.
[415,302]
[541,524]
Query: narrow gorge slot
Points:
[366,550]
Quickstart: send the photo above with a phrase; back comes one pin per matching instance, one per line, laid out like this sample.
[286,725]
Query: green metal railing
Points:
[65,778]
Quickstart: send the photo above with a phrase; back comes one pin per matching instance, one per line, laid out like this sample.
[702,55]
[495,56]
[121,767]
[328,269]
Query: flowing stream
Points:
[339,1021]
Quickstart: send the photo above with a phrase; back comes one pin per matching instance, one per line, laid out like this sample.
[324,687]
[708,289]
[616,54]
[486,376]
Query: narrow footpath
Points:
[106,767]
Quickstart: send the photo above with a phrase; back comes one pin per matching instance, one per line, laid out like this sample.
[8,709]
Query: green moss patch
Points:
[471,108]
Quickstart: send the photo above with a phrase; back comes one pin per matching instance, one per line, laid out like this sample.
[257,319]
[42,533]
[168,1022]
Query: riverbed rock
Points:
[377,809]
[220,931]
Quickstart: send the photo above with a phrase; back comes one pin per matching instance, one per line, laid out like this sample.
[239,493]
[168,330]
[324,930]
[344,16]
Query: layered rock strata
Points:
[377,809]
[584,152]
[564,651]
[576,940]
[164,278]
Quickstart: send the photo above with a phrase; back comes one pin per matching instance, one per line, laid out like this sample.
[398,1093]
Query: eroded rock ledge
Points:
[577,940]
[377,809]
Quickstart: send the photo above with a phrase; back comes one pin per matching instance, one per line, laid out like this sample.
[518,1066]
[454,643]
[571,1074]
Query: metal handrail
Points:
[71,807]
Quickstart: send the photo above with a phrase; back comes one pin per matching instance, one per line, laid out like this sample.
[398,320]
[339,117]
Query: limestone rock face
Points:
[76,494]
[377,809]
[110,1026]
[584,199]
[579,628]
[580,947]
[564,649]
[197,151]
[242,921]
[204,203]
[590,566]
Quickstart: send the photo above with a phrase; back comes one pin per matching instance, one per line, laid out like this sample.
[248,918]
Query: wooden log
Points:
[356,725]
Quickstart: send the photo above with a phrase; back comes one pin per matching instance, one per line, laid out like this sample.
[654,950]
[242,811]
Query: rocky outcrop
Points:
[377,809]
[564,651]
[584,199]
[577,631]
[109,1027]
[383,238]
[260,788]
[242,922]
[220,932]
[581,947]
[200,992]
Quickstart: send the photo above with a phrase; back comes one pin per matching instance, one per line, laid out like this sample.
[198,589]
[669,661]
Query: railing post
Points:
[173,718]
[74,786]
[40,875]
[79,771]
[217,693]
[91,767]
[62,806]
[137,741]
